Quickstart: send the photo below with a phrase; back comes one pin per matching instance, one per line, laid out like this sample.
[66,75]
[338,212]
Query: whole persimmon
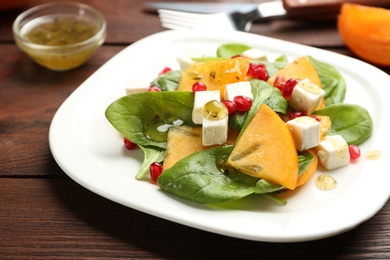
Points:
[366,32]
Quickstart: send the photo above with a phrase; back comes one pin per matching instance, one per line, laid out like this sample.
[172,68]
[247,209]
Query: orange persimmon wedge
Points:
[215,74]
[300,68]
[366,32]
[266,150]
[185,140]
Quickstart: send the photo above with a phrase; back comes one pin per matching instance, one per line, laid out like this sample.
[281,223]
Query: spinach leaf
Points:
[230,49]
[151,154]
[144,117]
[352,122]
[332,81]
[203,177]
[167,81]
[274,67]
[305,158]
[263,93]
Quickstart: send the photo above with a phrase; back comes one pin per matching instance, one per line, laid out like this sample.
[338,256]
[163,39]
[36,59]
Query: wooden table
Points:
[45,214]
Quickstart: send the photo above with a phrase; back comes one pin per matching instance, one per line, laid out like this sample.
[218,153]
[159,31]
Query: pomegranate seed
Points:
[243,103]
[316,118]
[155,171]
[154,89]
[165,70]
[280,82]
[354,152]
[294,115]
[129,144]
[231,106]
[289,87]
[199,86]
[258,71]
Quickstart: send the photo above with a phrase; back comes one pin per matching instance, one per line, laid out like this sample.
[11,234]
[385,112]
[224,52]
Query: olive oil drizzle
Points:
[62,31]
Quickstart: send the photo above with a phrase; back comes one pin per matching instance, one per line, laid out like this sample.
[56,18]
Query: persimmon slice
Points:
[215,74]
[266,150]
[365,30]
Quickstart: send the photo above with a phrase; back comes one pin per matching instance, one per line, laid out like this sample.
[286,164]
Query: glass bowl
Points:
[60,36]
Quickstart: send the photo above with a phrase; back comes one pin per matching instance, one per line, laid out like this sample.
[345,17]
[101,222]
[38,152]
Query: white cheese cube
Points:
[255,54]
[242,88]
[305,131]
[333,152]
[136,86]
[214,131]
[185,60]
[306,96]
[201,98]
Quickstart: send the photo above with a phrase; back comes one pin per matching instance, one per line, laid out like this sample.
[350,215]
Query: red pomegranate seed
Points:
[354,152]
[155,171]
[258,71]
[243,103]
[129,144]
[280,82]
[294,115]
[199,86]
[289,87]
[154,89]
[316,118]
[231,106]
[165,70]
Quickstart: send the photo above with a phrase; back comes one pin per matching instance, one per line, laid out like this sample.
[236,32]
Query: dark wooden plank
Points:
[58,218]
[30,95]
[126,20]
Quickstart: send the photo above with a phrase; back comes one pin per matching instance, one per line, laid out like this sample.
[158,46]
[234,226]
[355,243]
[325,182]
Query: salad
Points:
[275,135]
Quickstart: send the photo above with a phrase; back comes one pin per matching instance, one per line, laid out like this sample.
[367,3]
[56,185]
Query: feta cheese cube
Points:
[185,60]
[214,131]
[255,54]
[305,131]
[333,152]
[242,88]
[201,98]
[306,96]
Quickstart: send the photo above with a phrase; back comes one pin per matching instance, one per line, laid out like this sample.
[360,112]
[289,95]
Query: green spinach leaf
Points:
[144,117]
[151,154]
[275,66]
[352,122]
[230,49]
[200,177]
[168,81]
[263,93]
[332,82]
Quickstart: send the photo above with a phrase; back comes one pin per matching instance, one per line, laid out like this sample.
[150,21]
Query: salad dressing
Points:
[59,31]
[373,155]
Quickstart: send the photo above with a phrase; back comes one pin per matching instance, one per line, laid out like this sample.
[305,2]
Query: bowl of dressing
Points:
[60,36]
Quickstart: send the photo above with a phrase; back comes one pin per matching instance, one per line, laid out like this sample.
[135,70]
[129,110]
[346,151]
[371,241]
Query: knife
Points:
[297,9]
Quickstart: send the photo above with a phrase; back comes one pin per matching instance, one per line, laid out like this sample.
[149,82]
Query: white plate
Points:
[91,152]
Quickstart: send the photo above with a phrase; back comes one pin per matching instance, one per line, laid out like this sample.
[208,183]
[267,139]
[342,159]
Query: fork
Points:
[223,21]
